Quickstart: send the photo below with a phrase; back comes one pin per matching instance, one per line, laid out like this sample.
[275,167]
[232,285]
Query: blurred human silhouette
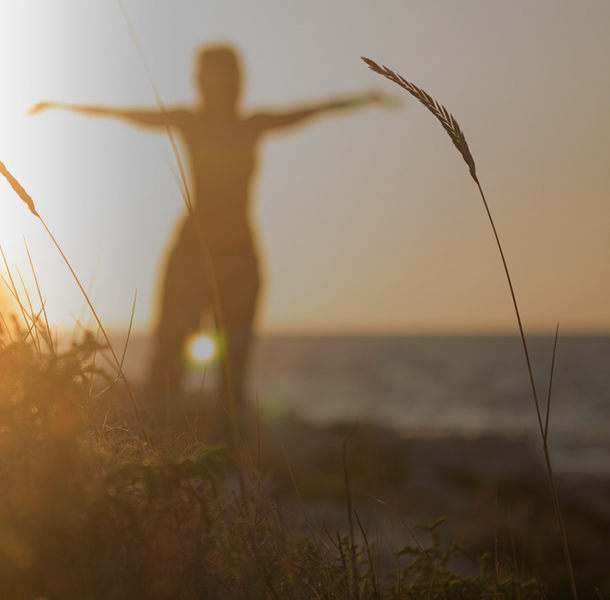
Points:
[221,146]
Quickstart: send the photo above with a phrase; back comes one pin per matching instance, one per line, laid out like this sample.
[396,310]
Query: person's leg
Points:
[238,282]
[183,299]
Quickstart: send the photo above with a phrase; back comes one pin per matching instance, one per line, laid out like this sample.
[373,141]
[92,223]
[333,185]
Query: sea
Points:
[434,386]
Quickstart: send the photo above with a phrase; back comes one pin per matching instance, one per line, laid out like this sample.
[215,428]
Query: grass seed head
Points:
[447,120]
[18,189]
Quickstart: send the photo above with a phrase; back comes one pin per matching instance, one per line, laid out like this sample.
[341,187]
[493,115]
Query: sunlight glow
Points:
[201,348]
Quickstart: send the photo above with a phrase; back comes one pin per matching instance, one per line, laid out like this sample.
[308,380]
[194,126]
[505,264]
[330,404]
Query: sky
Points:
[368,222]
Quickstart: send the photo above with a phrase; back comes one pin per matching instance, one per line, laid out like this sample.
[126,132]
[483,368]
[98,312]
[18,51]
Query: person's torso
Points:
[222,163]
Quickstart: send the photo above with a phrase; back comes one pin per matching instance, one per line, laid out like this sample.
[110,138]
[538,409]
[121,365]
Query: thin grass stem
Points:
[205,252]
[13,288]
[372,573]
[6,328]
[34,328]
[99,322]
[133,310]
[454,131]
[350,518]
[548,402]
[90,288]
[26,198]
[421,549]
[49,338]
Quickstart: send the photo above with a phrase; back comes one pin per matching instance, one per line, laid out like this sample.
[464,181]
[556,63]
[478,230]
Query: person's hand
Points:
[38,108]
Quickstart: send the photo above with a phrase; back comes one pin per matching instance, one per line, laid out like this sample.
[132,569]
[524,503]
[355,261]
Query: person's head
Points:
[218,77]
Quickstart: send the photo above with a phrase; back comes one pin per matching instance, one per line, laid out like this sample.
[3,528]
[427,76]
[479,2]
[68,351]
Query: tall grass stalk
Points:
[114,386]
[12,288]
[34,316]
[47,329]
[205,253]
[419,546]
[450,125]
[25,197]
[350,519]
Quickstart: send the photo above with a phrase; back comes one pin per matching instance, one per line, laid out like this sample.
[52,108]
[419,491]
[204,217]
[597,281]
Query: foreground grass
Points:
[92,512]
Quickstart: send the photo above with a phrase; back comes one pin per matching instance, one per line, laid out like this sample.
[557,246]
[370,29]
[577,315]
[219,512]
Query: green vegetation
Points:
[92,508]
[95,512]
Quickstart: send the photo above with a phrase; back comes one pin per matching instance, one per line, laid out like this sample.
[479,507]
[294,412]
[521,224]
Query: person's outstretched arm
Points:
[147,118]
[285,119]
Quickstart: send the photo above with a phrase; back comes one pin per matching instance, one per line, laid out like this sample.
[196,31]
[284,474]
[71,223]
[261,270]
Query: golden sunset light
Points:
[304,299]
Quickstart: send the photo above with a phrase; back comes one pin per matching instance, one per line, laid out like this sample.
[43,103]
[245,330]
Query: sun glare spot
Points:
[201,348]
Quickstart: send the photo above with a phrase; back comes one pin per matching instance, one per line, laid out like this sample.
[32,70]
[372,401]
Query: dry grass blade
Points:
[133,310]
[183,185]
[348,502]
[28,200]
[421,548]
[47,330]
[548,401]
[372,570]
[12,288]
[32,315]
[457,137]
[99,322]
[18,188]
[447,120]
[4,328]
[205,255]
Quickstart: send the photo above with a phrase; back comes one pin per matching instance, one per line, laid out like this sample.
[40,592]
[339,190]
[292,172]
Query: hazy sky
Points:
[368,221]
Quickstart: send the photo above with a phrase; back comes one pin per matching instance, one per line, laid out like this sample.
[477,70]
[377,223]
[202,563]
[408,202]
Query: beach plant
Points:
[89,512]
[97,513]
[26,198]
[450,125]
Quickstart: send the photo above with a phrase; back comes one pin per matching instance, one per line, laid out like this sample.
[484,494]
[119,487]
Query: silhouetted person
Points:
[222,145]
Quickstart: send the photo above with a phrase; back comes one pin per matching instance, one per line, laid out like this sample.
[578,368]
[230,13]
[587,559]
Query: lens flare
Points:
[201,348]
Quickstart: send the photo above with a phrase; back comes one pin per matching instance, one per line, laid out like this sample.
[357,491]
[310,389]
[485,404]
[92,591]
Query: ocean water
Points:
[434,386]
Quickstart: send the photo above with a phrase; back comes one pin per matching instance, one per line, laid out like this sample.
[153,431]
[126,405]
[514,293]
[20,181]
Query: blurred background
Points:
[385,301]
[368,222]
